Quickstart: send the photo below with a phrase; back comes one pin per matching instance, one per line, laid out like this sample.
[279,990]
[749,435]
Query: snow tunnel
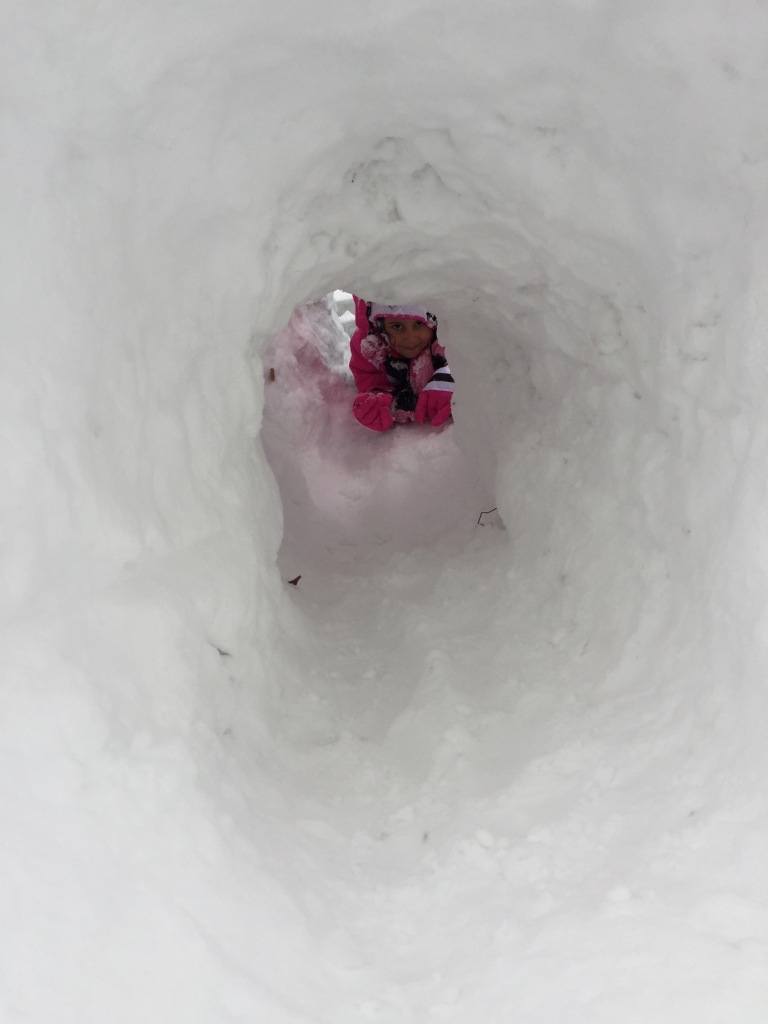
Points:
[457,773]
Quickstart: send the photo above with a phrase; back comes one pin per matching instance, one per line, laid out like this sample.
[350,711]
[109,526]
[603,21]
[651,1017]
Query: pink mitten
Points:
[434,407]
[374,410]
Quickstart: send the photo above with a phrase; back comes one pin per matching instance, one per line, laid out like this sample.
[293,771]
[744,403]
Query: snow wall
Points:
[578,189]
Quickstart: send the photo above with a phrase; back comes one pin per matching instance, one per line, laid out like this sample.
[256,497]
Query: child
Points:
[399,367]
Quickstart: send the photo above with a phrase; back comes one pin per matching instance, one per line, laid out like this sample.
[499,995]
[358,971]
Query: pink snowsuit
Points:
[378,369]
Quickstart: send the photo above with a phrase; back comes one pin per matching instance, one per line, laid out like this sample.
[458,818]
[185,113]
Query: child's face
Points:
[407,337]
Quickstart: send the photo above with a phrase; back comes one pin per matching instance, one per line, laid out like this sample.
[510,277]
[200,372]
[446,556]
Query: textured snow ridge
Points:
[469,768]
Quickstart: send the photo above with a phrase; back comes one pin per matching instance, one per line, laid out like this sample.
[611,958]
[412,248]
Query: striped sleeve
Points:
[442,378]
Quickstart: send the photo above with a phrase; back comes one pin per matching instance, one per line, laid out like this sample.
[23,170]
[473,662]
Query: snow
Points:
[462,770]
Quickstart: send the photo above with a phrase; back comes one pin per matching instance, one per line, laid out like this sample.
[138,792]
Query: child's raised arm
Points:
[368,377]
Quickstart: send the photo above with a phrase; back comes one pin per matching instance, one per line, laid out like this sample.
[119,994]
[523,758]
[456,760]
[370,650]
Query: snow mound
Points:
[456,772]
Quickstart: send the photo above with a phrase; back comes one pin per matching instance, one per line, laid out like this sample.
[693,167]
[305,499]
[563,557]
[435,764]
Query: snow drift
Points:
[478,774]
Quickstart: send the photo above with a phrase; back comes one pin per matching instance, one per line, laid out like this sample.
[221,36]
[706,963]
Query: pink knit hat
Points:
[369,316]
[409,311]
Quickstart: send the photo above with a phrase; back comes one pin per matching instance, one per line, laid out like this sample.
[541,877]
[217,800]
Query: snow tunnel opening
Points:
[352,497]
[546,338]
[547,358]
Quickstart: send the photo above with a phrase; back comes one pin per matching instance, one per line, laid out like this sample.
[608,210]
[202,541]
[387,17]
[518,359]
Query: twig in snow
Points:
[479,518]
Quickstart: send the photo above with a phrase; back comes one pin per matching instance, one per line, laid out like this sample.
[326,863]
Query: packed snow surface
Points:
[469,767]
